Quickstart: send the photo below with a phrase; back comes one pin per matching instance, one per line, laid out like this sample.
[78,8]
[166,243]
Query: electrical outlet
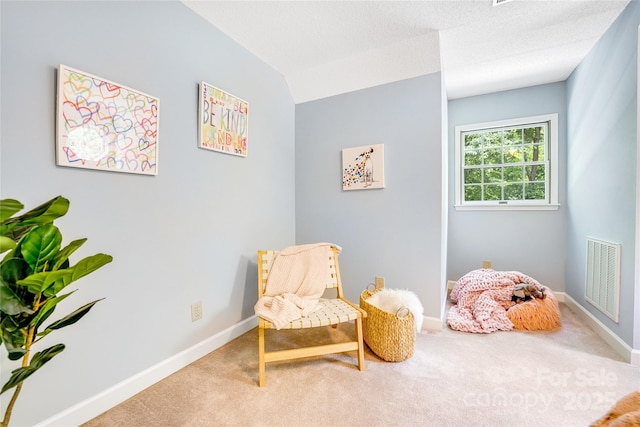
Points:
[196,311]
[379,282]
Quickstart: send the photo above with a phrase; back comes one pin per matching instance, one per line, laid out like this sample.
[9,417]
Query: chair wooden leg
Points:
[360,344]
[261,362]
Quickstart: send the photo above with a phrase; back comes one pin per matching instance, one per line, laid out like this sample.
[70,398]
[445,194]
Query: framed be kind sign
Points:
[224,121]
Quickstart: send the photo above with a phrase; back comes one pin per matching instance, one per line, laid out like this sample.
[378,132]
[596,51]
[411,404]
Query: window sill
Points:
[514,207]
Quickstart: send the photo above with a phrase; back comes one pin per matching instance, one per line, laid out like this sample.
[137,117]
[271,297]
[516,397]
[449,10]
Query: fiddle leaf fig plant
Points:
[34,275]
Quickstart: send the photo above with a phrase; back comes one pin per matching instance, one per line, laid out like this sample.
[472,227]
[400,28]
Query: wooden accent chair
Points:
[331,312]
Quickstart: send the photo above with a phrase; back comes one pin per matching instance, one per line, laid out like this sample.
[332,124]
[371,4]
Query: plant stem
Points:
[25,363]
[7,413]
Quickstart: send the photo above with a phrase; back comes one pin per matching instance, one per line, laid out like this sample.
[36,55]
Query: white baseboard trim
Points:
[630,355]
[94,406]
[432,324]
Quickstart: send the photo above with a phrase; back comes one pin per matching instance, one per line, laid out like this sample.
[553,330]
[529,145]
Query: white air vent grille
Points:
[603,276]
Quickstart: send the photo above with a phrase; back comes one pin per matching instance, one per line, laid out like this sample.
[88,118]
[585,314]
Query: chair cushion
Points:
[329,312]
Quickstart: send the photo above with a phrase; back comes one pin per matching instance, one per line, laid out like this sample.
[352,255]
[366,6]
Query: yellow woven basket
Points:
[390,337]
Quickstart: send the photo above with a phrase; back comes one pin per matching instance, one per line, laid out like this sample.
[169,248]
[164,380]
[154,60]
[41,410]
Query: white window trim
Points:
[511,205]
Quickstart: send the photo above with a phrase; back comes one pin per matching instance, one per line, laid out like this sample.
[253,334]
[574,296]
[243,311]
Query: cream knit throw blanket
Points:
[296,281]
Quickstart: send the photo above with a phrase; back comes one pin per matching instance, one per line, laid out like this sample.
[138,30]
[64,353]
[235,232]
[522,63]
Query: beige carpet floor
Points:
[568,377]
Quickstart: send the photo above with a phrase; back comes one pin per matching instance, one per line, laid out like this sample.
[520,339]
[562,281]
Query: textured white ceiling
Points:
[325,48]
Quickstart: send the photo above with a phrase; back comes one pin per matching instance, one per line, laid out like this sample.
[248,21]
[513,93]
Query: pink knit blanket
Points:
[482,298]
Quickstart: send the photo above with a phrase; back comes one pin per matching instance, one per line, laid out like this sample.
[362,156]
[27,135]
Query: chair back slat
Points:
[265,262]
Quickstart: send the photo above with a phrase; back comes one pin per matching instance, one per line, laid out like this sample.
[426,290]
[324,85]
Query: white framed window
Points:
[507,164]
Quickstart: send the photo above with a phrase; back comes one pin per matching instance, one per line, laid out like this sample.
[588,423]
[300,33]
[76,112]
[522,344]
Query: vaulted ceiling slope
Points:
[325,48]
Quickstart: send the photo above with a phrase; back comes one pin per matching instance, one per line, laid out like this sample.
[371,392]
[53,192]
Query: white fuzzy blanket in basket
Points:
[395,300]
[482,298]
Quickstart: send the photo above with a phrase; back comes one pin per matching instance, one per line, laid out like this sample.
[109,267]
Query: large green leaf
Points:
[72,318]
[46,213]
[17,230]
[13,269]
[66,252]
[42,357]
[46,310]
[10,303]
[40,282]
[13,253]
[13,351]
[38,360]
[9,207]
[52,282]
[41,245]
[82,268]
[89,265]
[13,338]
[6,244]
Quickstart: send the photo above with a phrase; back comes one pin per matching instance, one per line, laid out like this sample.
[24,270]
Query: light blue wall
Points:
[190,233]
[393,232]
[602,125]
[532,242]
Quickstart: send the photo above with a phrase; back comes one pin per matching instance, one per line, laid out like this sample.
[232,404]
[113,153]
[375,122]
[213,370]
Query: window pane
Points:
[533,153]
[493,175]
[493,156]
[493,192]
[535,172]
[513,174]
[472,158]
[534,135]
[542,153]
[472,193]
[512,137]
[534,191]
[513,192]
[513,155]
[472,140]
[473,176]
[493,139]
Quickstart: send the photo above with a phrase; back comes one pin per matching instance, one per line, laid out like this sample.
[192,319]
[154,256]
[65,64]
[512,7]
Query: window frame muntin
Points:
[551,164]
